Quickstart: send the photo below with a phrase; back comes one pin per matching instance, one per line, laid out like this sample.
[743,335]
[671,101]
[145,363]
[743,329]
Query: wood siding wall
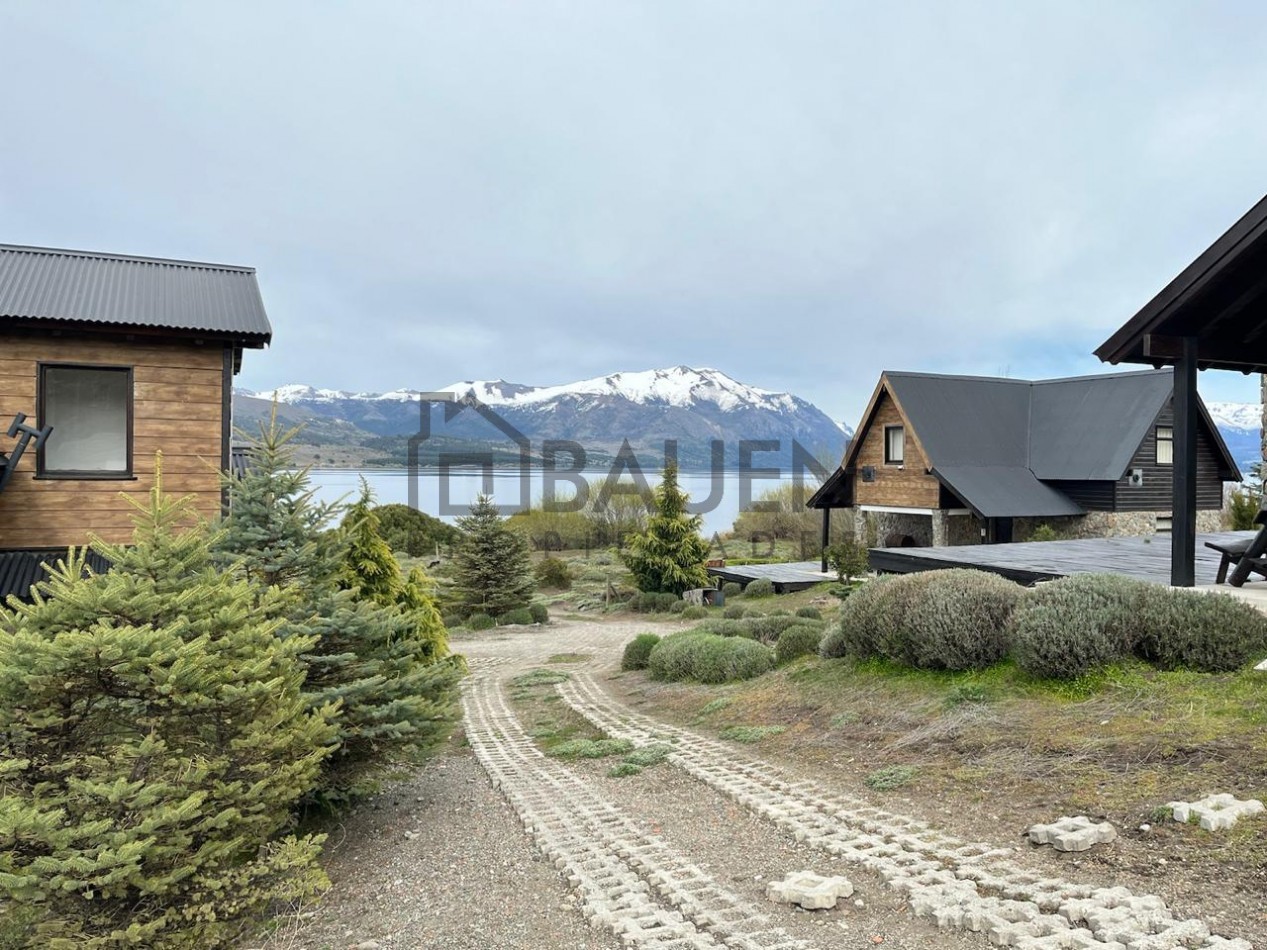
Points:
[1157,492]
[906,487]
[1093,496]
[177,408]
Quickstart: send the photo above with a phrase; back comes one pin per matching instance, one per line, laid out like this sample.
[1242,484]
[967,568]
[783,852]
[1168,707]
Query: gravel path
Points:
[558,855]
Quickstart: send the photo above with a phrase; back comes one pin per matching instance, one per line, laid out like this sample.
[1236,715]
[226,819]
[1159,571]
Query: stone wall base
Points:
[886,528]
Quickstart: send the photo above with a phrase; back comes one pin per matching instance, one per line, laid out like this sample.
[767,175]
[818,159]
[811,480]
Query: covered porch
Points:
[1212,316]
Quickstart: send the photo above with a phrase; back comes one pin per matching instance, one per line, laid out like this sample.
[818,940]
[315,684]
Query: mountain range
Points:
[1240,424]
[695,407]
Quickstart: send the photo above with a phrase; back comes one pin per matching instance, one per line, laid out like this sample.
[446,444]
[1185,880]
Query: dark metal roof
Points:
[1218,299]
[1005,491]
[1088,428]
[40,285]
[966,420]
[22,570]
[993,442]
[835,492]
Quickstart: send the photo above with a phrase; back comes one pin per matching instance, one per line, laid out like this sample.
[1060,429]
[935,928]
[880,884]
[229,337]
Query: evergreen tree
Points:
[371,572]
[492,567]
[668,557]
[153,740]
[383,663]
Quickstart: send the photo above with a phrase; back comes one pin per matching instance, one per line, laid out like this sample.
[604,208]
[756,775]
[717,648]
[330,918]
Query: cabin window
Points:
[894,445]
[90,410]
[1165,445]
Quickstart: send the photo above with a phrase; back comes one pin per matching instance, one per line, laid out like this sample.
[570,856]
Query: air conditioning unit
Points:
[868,473]
[1135,477]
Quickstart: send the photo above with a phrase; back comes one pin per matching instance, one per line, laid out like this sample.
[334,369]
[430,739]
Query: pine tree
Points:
[383,663]
[668,557]
[492,567]
[153,740]
[371,572]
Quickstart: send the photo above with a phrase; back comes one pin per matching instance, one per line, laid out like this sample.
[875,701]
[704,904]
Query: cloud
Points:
[801,195]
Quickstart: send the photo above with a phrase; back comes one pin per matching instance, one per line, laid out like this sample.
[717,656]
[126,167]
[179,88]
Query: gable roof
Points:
[1218,299]
[994,442]
[42,285]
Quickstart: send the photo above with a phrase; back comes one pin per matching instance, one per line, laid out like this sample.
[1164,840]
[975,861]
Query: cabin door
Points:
[999,531]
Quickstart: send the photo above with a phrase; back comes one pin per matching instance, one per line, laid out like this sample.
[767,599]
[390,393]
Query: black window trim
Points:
[887,459]
[43,473]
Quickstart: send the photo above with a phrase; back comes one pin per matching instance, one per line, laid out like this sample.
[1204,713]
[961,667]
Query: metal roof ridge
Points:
[136,258]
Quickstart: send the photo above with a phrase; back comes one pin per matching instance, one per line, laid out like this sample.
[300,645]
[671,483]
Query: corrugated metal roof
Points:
[38,283]
[1087,428]
[22,570]
[1005,491]
[966,420]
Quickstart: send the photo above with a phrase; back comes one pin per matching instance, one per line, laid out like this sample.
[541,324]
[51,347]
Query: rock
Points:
[1072,834]
[809,890]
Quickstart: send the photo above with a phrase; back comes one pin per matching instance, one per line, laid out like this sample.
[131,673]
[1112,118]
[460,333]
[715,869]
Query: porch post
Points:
[1183,532]
[826,535]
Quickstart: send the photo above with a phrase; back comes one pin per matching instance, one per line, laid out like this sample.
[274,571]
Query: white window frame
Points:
[1167,458]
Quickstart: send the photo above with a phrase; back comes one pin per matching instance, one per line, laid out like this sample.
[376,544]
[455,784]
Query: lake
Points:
[718,497]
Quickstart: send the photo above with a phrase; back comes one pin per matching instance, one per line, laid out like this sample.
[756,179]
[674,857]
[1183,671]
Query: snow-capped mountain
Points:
[692,406]
[1240,424]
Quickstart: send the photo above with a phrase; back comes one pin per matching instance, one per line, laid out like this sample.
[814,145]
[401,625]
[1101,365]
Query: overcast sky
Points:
[799,194]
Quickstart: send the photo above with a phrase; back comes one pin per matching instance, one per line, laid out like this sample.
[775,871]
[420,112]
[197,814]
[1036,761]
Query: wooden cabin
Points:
[112,359]
[965,459]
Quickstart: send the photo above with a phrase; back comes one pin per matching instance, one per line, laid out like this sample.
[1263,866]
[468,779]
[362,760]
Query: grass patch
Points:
[568,658]
[648,756]
[891,777]
[624,770]
[715,705]
[539,678]
[589,748]
[750,733]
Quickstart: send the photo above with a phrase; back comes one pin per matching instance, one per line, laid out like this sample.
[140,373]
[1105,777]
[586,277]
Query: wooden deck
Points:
[793,576]
[1146,558]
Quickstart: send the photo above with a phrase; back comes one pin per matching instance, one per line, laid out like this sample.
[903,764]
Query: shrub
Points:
[452,620]
[154,737]
[553,572]
[1242,508]
[708,658]
[694,612]
[1210,633]
[679,607]
[768,627]
[480,621]
[590,748]
[539,613]
[811,613]
[1066,628]
[414,532]
[956,620]
[863,623]
[1044,532]
[890,777]
[652,602]
[725,628]
[952,619]
[848,559]
[731,589]
[638,651]
[734,612]
[798,640]
[1055,643]
[761,587]
[520,617]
